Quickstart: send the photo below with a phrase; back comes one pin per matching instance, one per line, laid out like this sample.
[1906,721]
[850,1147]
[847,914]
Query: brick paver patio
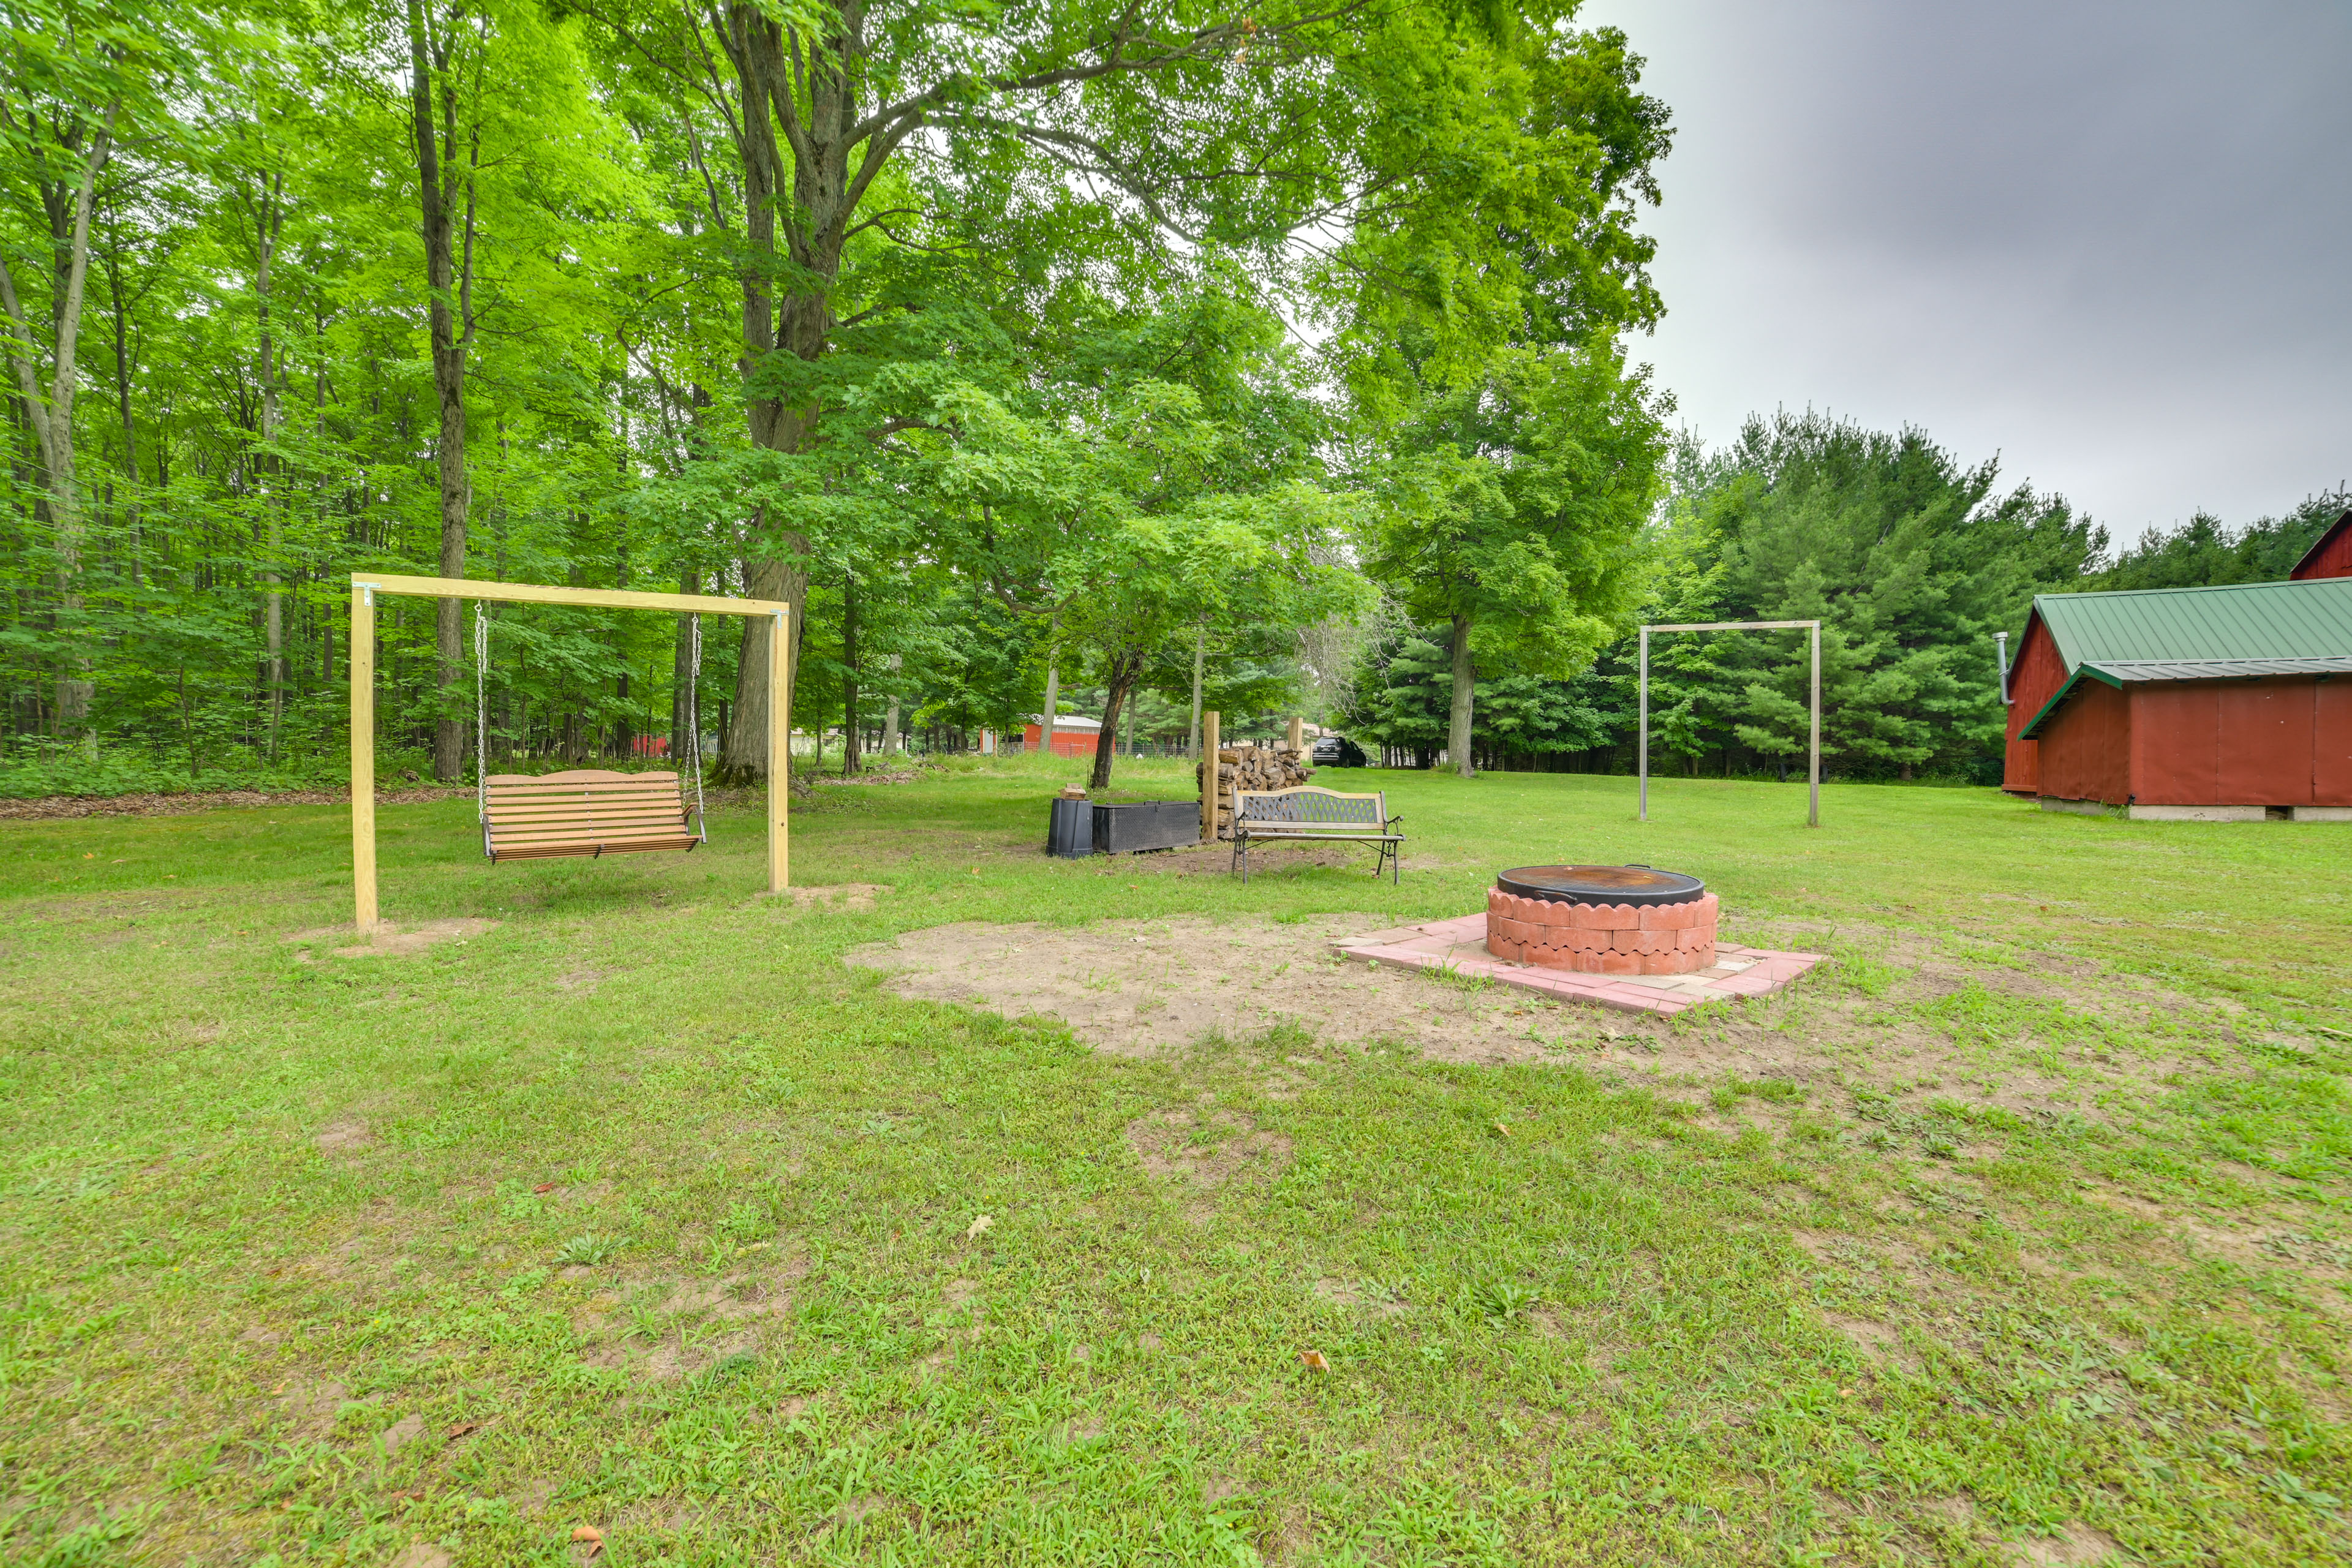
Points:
[1461,945]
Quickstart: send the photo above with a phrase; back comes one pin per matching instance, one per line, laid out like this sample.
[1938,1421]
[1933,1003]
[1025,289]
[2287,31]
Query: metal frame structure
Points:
[1813,768]
[364,589]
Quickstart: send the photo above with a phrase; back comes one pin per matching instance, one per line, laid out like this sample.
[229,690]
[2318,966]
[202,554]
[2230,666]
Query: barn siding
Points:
[2331,743]
[2265,742]
[2034,679]
[2087,746]
[2332,558]
[2177,743]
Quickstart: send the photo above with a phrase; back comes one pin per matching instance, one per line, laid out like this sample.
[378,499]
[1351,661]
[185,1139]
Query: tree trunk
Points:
[268,218]
[685,728]
[744,746]
[450,281]
[1122,673]
[1457,727]
[52,416]
[853,738]
[1200,655]
[1053,706]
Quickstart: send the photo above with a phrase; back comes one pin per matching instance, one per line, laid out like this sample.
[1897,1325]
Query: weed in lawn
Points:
[588,1250]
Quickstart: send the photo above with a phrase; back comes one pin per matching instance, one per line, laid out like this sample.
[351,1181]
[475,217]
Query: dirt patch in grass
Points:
[1880,1344]
[838,896]
[1209,1151]
[1289,860]
[391,941]
[1138,988]
[344,1138]
[2076,1543]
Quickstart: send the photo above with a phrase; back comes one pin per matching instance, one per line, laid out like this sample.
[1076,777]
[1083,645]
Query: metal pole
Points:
[1645,753]
[1813,808]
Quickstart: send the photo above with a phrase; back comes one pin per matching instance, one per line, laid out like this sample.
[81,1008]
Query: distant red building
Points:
[1073,736]
[2222,702]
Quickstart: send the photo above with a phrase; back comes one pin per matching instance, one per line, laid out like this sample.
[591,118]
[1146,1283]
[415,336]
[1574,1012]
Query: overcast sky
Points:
[2111,242]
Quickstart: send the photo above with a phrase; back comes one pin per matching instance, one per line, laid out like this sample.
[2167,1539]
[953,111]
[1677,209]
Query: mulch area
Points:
[62,807]
[57,808]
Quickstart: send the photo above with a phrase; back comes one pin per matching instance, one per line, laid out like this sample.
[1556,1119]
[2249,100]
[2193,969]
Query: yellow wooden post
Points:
[1298,733]
[779,757]
[1209,776]
[363,674]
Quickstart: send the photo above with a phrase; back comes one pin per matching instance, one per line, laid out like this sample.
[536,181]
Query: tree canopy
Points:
[1188,348]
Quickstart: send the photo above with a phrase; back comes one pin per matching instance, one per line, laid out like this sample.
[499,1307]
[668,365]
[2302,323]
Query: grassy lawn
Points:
[639,1209]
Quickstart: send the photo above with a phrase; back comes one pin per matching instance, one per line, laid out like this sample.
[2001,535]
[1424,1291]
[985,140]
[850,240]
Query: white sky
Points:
[2110,242]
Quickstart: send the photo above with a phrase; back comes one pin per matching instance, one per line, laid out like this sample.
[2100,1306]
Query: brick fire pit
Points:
[1601,919]
[1627,937]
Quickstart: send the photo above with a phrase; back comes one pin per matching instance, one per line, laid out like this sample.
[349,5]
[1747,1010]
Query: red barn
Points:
[1073,736]
[2330,555]
[2228,703]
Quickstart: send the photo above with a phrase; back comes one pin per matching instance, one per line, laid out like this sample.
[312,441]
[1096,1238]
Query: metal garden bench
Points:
[1310,811]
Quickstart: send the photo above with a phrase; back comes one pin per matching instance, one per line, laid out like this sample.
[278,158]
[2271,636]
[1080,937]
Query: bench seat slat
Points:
[585,813]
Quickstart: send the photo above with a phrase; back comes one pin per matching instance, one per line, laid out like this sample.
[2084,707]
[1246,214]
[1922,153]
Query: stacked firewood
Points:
[1253,768]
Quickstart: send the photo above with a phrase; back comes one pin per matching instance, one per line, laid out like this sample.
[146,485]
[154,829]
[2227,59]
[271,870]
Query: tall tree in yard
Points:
[448,147]
[1514,517]
[1037,141]
[74,79]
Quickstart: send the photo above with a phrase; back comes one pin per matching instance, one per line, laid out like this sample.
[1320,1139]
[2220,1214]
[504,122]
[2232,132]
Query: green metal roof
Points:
[2238,620]
[2197,634]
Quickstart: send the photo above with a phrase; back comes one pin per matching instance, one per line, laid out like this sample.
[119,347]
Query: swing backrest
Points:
[587,811]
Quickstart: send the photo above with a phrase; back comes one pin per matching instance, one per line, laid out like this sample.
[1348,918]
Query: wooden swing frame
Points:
[365,587]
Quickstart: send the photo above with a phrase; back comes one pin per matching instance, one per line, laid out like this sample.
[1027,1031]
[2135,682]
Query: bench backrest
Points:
[1311,805]
[584,811]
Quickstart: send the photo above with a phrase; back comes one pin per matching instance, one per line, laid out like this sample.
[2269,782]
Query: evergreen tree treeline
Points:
[1912,560]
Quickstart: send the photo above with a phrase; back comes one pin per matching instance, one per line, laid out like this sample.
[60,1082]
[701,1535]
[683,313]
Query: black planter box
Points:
[1070,832]
[1146,825]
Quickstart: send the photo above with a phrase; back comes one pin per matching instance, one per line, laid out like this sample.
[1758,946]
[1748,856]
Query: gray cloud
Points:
[2110,242]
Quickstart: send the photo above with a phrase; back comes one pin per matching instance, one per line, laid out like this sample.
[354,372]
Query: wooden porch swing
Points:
[587,812]
[582,811]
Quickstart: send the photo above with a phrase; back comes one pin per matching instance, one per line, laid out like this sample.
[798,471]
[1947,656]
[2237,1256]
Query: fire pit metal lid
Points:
[1639,886]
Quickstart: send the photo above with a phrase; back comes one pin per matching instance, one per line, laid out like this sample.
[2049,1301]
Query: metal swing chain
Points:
[481,714]
[693,724]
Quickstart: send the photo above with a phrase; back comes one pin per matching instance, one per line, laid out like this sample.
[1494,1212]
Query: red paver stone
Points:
[1583,963]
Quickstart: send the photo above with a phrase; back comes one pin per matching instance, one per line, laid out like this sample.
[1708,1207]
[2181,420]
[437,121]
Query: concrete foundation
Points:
[2322,813]
[2079,808]
[2199,813]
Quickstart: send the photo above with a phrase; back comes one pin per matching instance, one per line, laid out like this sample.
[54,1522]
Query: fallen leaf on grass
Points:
[1503,1130]
[462,1428]
[544,1187]
[590,1537]
[981,1224]
[1314,1361]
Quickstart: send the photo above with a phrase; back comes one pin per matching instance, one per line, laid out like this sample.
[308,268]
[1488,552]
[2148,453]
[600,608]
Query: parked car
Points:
[1336,752]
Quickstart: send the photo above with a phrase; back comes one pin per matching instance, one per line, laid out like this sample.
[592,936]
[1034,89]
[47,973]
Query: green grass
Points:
[754,1318]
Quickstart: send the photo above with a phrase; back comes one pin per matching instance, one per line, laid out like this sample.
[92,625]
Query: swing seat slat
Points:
[586,811]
